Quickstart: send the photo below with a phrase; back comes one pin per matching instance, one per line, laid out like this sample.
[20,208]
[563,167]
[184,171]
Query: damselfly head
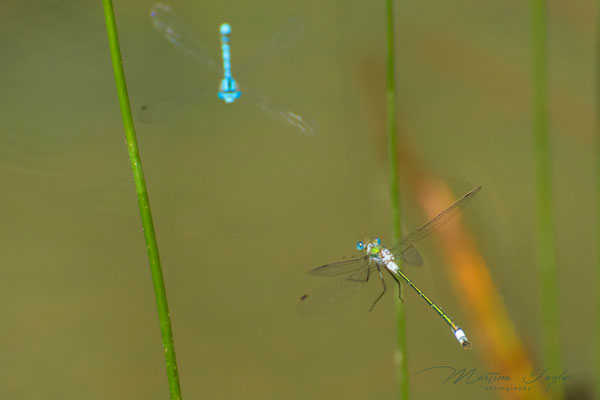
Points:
[225,29]
[368,244]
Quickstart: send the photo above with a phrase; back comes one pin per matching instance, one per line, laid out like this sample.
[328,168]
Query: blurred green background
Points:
[244,206]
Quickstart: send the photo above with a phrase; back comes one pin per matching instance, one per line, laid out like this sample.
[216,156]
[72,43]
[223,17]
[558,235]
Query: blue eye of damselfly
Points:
[225,29]
[360,246]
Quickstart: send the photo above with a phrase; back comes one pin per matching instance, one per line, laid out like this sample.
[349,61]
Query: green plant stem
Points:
[598,197]
[546,243]
[144,204]
[402,367]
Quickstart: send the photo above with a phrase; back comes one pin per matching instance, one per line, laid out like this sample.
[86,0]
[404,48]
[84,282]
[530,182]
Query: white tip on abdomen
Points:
[462,338]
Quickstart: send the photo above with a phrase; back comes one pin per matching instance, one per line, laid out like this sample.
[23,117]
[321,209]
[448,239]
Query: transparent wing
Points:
[345,267]
[176,31]
[285,37]
[162,109]
[304,126]
[166,107]
[411,255]
[327,297]
[406,244]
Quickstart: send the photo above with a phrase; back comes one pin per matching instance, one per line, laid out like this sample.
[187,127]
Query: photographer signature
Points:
[472,376]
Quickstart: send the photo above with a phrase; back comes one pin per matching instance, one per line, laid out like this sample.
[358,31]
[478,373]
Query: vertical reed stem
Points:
[546,243]
[598,198]
[143,202]
[402,367]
